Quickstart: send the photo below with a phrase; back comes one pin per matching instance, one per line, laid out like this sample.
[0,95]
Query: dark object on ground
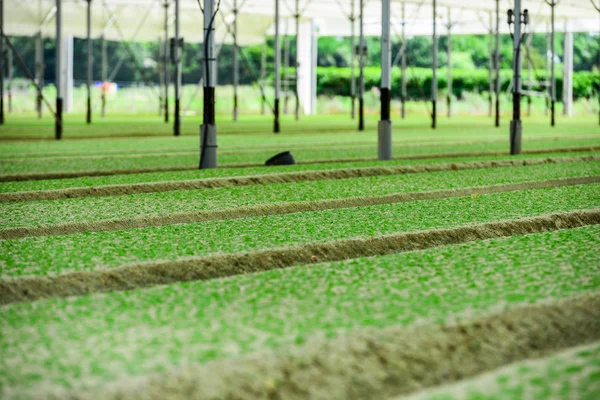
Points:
[285,158]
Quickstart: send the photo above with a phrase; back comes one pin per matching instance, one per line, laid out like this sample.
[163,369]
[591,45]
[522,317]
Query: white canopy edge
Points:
[111,18]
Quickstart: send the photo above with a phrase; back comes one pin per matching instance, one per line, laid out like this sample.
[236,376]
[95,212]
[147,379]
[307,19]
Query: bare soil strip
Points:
[284,177]
[218,266]
[281,208]
[37,176]
[377,364]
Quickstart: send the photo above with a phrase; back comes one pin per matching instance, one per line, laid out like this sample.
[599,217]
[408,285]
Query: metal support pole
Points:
[434,69]
[104,72]
[161,76]
[39,71]
[1,62]
[552,66]
[497,64]
[58,125]
[568,71]
[263,74]
[10,71]
[547,67]
[361,65]
[276,127]
[166,60]
[286,68]
[90,62]
[384,128]
[297,60]
[449,95]
[491,67]
[520,20]
[177,56]
[403,94]
[352,60]
[529,75]
[208,129]
[236,66]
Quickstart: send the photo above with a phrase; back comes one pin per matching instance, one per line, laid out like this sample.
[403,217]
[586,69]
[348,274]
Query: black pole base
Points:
[516,134]
[88,118]
[386,98]
[361,114]
[433,114]
[497,122]
[2,110]
[58,123]
[353,107]
[235,107]
[167,111]
[403,108]
[552,113]
[449,105]
[38,106]
[276,126]
[177,124]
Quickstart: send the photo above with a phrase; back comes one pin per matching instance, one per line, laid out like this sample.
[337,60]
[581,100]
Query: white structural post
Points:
[519,20]
[403,94]
[166,60]
[307,71]
[547,67]
[286,67]
[529,74]
[491,68]
[434,86]
[39,71]
[103,73]
[90,62]
[276,127]
[497,64]
[384,128]
[177,50]
[9,75]
[236,64]
[361,66]
[568,72]
[352,59]
[1,62]
[449,77]
[208,130]
[58,72]
[552,4]
[161,76]
[67,73]
[297,59]
[263,74]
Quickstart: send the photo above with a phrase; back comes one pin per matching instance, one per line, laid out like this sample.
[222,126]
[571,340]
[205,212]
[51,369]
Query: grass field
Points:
[455,271]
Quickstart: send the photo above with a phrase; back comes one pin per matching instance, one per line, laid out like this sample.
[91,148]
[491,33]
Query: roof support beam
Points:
[208,130]
[177,49]
[90,62]
[361,65]
[236,64]
[352,19]
[165,59]
[434,85]
[276,126]
[58,123]
[384,127]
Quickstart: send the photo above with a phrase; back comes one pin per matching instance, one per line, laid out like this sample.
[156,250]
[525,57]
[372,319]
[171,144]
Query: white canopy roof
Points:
[143,20]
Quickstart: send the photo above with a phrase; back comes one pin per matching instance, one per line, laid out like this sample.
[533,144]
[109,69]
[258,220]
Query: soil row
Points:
[218,266]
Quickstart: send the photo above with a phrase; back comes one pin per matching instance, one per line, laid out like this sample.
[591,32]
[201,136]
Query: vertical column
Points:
[177,49]
[104,74]
[552,67]
[1,62]
[90,62]
[547,68]
[208,130]
[434,87]
[403,48]
[263,73]
[39,71]
[297,59]
[236,67]
[384,128]
[67,73]
[307,71]
[361,66]
[276,126]
[58,128]
[497,63]
[529,74]
[166,60]
[449,95]
[491,67]
[161,76]
[515,124]
[10,71]
[352,59]
[568,73]
[286,67]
